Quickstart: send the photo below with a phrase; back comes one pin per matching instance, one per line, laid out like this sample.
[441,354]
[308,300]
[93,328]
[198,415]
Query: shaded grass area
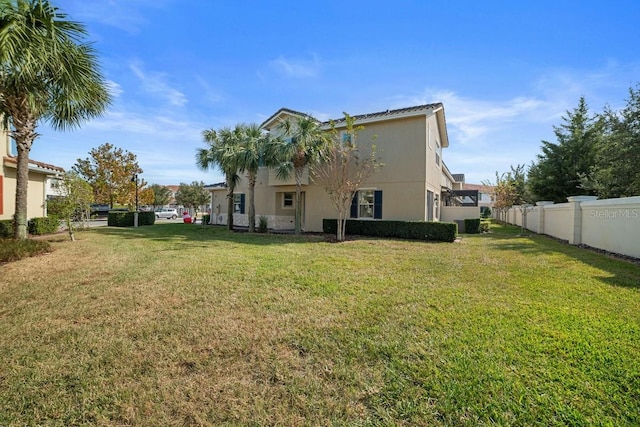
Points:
[179,325]
[14,250]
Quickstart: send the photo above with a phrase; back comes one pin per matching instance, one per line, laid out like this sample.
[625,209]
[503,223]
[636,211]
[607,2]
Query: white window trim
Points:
[293,200]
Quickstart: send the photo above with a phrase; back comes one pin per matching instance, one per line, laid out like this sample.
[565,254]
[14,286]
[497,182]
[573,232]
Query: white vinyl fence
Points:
[609,224]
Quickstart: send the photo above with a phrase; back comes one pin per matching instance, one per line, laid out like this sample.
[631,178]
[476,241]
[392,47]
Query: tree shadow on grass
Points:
[623,272]
[199,236]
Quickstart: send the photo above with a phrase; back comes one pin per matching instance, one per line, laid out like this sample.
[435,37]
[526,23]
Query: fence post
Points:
[540,206]
[575,218]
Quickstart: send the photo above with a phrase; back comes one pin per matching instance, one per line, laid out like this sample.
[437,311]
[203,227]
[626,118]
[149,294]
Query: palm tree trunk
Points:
[230,209]
[252,205]
[298,222]
[20,217]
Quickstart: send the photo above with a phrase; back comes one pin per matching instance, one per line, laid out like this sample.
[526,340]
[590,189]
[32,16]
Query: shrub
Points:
[45,225]
[263,224]
[126,219]
[14,250]
[472,225]
[418,230]
[485,212]
[206,218]
[6,228]
[485,225]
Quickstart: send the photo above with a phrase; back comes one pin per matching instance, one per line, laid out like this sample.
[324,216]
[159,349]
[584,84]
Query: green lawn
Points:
[174,324]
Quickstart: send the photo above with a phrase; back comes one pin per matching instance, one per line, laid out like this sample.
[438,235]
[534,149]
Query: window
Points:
[438,153]
[367,204]
[238,203]
[287,200]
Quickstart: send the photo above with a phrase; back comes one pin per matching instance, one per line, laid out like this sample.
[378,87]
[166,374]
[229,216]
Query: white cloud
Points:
[113,88]
[154,83]
[297,68]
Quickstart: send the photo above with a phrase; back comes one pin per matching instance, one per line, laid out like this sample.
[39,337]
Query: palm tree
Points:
[222,149]
[47,73]
[302,143]
[251,154]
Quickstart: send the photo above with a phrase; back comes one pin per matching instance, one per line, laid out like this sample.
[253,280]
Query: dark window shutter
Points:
[242,203]
[354,206]
[377,204]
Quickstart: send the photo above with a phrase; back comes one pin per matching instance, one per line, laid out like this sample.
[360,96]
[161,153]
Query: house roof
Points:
[34,165]
[458,177]
[391,113]
[487,189]
[267,124]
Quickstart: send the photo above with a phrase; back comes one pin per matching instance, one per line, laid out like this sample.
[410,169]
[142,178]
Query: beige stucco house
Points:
[39,176]
[410,186]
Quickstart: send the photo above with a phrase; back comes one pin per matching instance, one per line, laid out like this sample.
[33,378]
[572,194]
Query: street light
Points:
[134,178]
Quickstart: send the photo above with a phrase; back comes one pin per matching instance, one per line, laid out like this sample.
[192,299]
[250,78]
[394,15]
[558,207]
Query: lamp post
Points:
[134,178]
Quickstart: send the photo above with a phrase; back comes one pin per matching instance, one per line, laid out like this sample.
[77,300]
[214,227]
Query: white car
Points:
[166,213]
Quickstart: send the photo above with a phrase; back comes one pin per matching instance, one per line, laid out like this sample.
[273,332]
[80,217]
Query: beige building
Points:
[410,186]
[39,175]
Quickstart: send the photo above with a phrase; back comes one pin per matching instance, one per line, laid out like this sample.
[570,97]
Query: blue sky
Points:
[506,71]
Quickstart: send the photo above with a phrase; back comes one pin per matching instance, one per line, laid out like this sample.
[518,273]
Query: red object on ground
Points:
[186,218]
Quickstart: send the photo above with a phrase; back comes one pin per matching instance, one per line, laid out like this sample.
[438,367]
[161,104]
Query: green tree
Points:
[73,204]
[251,154]
[344,169]
[303,143]
[558,172]
[616,172]
[47,73]
[161,195]
[109,171]
[221,153]
[192,195]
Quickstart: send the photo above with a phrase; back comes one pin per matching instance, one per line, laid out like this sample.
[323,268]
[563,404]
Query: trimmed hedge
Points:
[126,219]
[472,225]
[43,225]
[6,228]
[417,230]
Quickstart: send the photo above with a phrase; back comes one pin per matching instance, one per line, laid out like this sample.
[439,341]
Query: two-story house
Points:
[410,186]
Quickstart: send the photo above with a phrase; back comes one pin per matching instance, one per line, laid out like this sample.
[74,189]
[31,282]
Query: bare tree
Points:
[343,170]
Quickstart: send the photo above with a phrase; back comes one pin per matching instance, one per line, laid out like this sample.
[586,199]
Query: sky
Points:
[506,72]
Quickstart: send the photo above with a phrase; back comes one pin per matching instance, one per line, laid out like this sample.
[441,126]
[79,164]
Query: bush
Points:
[45,225]
[126,219]
[485,212]
[485,226]
[472,225]
[6,228]
[14,250]
[206,218]
[418,230]
[263,224]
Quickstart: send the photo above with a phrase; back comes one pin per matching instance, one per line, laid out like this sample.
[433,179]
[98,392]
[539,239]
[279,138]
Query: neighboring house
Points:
[410,186]
[39,174]
[484,194]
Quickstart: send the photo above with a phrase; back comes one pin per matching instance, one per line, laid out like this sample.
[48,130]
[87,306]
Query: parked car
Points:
[167,213]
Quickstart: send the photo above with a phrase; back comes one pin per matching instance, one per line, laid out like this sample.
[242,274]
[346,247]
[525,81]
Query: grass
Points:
[14,250]
[179,325]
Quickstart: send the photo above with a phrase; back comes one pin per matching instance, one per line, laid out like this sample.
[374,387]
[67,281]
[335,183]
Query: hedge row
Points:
[36,226]
[472,225]
[418,230]
[6,228]
[126,219]
[44,225]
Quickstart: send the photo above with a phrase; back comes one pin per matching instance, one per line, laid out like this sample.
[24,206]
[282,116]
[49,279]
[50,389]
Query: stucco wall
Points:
[452,213]
[609,224]
[35,194]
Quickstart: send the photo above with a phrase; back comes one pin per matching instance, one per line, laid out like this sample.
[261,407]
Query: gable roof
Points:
[267,124]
